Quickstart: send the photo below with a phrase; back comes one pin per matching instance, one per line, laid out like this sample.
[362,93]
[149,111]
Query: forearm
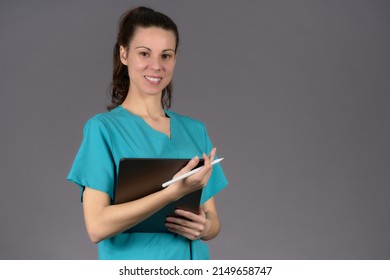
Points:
[213,226]
[110,220]
[104,220]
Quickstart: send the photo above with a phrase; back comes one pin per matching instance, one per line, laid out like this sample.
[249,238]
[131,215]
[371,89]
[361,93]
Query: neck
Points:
[145,105]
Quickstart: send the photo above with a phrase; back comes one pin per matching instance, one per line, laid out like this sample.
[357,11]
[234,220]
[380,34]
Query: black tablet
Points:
[139,177]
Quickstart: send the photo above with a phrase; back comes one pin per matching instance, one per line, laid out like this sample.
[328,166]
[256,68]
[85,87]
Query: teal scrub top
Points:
[113,135]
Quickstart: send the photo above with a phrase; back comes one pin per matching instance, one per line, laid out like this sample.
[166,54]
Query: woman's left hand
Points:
[191,226]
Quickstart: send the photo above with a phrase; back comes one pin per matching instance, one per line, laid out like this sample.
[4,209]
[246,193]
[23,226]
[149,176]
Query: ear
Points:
[123,55]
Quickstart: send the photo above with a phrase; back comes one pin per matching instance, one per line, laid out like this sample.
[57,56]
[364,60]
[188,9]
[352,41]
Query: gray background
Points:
[295,95]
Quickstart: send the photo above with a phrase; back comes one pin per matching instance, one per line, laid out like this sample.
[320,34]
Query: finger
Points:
[205,172]
[190,165]
[190,233]
[206,160]
[184,225]
[198,218]
[212,154]
[210,157]
[202,212]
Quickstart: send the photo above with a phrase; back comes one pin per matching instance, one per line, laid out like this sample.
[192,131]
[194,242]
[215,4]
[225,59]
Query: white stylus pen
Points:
[185,175]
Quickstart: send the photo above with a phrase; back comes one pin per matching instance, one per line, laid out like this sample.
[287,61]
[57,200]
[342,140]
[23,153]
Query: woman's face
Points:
[150,58]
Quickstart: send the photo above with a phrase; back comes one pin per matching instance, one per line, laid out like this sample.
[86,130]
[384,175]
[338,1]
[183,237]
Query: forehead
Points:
[153,38]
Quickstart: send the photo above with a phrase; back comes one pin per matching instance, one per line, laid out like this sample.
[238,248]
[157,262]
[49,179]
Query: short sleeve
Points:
[94,165]
[217,181]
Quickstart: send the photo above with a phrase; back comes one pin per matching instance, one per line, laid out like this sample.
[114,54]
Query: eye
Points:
[166,56]
[145,54]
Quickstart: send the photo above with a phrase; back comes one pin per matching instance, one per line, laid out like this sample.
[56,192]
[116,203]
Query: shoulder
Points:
[105,120]
[101,123]
[106,117]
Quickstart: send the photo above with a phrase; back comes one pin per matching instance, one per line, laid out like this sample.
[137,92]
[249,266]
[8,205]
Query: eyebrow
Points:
[151,50]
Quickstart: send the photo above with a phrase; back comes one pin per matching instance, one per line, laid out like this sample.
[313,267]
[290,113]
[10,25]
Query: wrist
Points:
[206,231]
[172,193]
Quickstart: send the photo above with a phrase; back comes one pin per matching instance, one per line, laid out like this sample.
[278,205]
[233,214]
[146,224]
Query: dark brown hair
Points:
[129,22]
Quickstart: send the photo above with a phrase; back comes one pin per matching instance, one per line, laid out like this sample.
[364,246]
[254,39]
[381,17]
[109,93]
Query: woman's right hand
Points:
[104,220]
[196,181]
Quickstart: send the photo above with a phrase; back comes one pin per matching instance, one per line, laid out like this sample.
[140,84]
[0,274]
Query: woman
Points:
[139,125]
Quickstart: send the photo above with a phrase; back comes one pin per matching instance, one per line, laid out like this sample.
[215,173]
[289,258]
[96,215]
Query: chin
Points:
[153,91]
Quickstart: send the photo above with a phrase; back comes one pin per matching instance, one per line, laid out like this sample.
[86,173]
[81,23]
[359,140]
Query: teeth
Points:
[152,79]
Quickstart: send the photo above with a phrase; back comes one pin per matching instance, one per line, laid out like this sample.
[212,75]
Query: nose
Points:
[155,64]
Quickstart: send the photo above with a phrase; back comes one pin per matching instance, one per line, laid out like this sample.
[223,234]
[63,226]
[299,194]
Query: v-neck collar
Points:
[150,128]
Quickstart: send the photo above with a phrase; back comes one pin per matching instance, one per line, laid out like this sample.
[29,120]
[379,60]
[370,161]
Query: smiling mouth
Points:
[153,79]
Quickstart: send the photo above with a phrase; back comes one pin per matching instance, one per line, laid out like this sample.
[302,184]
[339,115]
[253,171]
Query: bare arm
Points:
[104,220]
[205,225]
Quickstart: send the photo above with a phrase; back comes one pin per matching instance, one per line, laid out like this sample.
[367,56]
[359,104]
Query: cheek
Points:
[139,65]
[135,69]
[170,67]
